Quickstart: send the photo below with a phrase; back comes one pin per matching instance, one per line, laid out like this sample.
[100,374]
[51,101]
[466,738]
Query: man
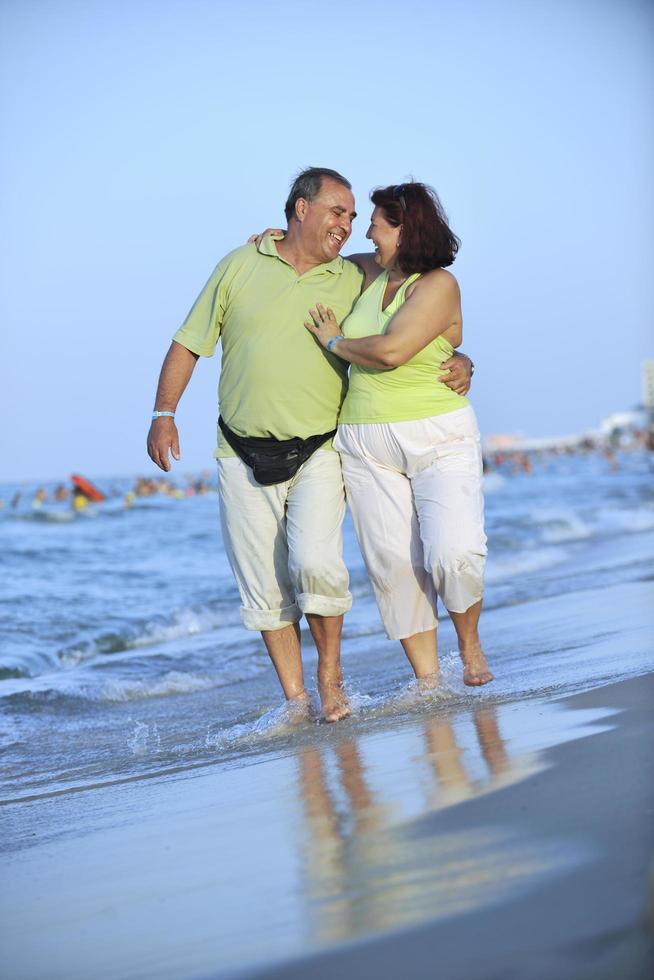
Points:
[283,540]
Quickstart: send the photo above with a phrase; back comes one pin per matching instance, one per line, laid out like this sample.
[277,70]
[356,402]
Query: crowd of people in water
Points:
[512,460]
[79,498]
[507,461]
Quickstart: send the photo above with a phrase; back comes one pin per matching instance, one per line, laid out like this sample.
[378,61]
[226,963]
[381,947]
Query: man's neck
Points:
[292,251]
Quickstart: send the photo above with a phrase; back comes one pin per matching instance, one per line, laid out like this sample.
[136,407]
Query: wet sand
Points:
[592,917]
[498,840]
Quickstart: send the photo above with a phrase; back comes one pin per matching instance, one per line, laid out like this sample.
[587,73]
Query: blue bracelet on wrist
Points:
[332,341]
[159,415]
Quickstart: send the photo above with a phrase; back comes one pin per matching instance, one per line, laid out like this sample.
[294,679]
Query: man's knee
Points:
[264,620]
[319,574]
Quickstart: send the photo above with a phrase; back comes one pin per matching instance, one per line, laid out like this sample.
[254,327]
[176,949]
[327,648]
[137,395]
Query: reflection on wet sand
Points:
[452,782]
[370,867]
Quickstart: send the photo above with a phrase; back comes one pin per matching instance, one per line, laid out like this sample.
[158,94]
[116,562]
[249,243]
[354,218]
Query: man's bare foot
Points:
[429,683]
[299,708]
[475,668]
[333,699]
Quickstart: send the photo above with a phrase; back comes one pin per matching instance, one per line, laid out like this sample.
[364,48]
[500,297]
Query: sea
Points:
[123,656]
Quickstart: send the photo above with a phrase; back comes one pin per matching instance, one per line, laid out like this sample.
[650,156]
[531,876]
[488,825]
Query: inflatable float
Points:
[87,488]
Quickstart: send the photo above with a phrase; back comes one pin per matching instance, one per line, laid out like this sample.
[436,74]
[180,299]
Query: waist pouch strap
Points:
[273,460]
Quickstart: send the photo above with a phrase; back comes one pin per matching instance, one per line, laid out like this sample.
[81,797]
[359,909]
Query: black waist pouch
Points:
[273,460]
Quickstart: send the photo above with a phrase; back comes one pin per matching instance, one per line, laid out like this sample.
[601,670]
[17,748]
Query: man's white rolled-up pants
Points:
[415,492]
[284,542]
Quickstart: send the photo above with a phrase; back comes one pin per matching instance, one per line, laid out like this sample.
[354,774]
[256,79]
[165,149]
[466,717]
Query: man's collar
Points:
[268,246]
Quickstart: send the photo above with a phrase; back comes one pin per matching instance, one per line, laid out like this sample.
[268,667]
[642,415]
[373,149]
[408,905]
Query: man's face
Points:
[326,222]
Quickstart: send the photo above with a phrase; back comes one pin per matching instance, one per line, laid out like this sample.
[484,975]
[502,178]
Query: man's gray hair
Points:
[307,184]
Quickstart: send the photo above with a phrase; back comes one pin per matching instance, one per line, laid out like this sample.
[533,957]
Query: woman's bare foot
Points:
[333,699]
[475,668]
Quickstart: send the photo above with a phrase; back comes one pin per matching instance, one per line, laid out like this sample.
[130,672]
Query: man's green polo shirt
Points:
[275,379]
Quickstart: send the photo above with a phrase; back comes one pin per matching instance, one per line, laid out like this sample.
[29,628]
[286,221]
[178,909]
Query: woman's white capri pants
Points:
[415,492]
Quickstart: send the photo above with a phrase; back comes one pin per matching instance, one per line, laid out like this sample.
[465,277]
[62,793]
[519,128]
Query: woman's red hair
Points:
[426,242]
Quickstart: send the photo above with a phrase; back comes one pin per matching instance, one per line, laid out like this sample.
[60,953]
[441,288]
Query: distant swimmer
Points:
[40,498]
[80,501]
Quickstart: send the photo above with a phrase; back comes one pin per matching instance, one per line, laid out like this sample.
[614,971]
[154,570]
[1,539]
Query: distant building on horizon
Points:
[620,422]
[518,442]
[647,382]
[614,427]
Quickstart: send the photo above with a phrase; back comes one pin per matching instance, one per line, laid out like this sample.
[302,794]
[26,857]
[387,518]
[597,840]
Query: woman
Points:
[410,445]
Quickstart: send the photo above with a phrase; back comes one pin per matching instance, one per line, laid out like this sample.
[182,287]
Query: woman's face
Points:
[385,238]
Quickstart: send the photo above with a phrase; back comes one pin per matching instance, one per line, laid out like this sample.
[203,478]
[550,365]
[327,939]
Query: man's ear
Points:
[301,206]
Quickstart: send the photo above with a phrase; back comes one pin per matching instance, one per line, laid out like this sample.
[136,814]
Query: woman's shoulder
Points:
[436,282]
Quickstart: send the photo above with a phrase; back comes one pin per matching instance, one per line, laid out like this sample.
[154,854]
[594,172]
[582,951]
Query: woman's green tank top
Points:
[411,391]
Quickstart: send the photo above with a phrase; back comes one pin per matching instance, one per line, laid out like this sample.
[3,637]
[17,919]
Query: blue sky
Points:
[143,140]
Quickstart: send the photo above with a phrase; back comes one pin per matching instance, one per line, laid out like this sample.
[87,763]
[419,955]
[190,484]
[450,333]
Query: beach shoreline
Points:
[327,862]
[595,920]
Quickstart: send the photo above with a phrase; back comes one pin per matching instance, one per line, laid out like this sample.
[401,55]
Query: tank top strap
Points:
[400,295]
[407,282]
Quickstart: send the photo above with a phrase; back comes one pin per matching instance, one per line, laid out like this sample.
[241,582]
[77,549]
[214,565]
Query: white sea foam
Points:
[183,623]
[89,685]
[558,526]
[500,569]
[145,739]
[186,622]
[174,682]
[48,516]
[279,722]
[412,696]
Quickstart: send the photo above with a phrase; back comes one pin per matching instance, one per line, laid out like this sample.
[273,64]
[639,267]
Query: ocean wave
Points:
[183,623]
[92,686]
[46,516]
[174,682]
[499,569]
[11,673]
[24,659]
[558,526]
